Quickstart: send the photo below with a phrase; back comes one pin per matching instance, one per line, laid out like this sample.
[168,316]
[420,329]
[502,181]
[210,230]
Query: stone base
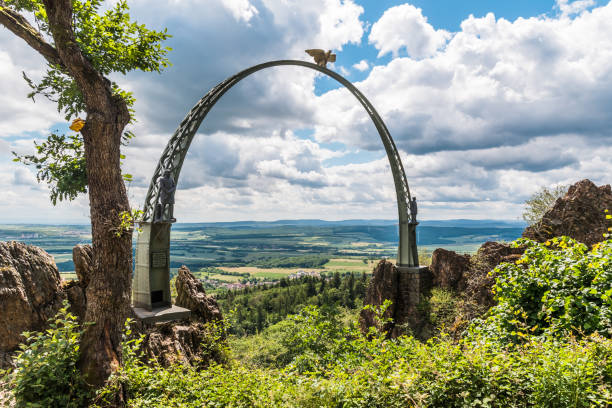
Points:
[161,314]
[414,282]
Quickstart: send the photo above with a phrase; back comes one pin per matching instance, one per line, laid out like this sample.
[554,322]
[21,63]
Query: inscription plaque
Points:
[159,259]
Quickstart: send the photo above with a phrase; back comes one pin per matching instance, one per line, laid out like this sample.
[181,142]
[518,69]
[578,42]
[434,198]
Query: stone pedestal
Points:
[414,283]
[405,287]
[152,272]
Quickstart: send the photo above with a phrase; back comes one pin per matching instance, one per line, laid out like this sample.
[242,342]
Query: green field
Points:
[334,265]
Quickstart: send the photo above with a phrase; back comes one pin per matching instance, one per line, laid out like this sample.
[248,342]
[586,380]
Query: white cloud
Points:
[496,83]
[569,8]
[18,113]
[361,65]
[241,9]
[339,24]
[482,119]
[276,169]
[405,26]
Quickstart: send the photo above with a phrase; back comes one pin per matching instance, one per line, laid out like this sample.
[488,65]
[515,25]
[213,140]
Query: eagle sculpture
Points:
[321,57]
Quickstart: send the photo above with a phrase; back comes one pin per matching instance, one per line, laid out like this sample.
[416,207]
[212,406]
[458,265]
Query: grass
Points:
[349,265]
[270,275]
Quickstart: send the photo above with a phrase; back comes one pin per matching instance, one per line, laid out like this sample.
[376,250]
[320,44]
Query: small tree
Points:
[542,201]
[82,46]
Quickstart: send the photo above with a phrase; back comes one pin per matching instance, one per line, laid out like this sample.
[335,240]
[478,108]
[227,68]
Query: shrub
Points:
[541,201]
[46,373]
[558,287]
[351,370]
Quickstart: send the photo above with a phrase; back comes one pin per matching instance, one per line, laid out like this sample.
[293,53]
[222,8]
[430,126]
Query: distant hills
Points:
[461,223]
[240,243]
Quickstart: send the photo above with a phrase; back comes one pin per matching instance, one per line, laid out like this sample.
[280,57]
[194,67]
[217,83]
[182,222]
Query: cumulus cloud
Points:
[569,8]
[503,109]
[361,65]
[22,177]
[207,52]
[277,169]
[18,114]
[241,9]
[405,27]
[339,24]
[496,83]
[482,117]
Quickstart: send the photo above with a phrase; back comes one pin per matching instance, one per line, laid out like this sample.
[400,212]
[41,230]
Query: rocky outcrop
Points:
[82,256]
[188,343]
[405,289]
[196,341]
[579,214]
[469,275]
[30,293]
[190,294]
[448,269]
[383,286]
[76,298]
[478,280]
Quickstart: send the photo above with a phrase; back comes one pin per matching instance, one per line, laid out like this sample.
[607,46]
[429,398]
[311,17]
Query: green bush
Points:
[545,344]
[334,366]
[46,373]
[559,287]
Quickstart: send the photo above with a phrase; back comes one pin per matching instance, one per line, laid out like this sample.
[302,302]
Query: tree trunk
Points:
[108,292]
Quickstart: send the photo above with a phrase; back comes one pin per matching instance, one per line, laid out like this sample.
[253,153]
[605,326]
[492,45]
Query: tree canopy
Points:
[83,42]
[112,43]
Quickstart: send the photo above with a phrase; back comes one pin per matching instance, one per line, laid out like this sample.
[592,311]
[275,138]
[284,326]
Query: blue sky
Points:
[444,14]
[486,100]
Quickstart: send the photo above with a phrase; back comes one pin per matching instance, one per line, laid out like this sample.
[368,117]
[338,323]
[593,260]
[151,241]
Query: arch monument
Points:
[152,273]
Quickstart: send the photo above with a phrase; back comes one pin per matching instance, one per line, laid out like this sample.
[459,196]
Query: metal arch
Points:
[174,154]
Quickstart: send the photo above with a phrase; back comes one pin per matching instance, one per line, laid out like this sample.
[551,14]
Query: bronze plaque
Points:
[159,259]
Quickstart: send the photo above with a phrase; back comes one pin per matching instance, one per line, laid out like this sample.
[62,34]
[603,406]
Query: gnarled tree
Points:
[82,46]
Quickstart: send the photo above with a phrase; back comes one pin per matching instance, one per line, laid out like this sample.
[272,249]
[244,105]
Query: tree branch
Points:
[96,89]
[16,23]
